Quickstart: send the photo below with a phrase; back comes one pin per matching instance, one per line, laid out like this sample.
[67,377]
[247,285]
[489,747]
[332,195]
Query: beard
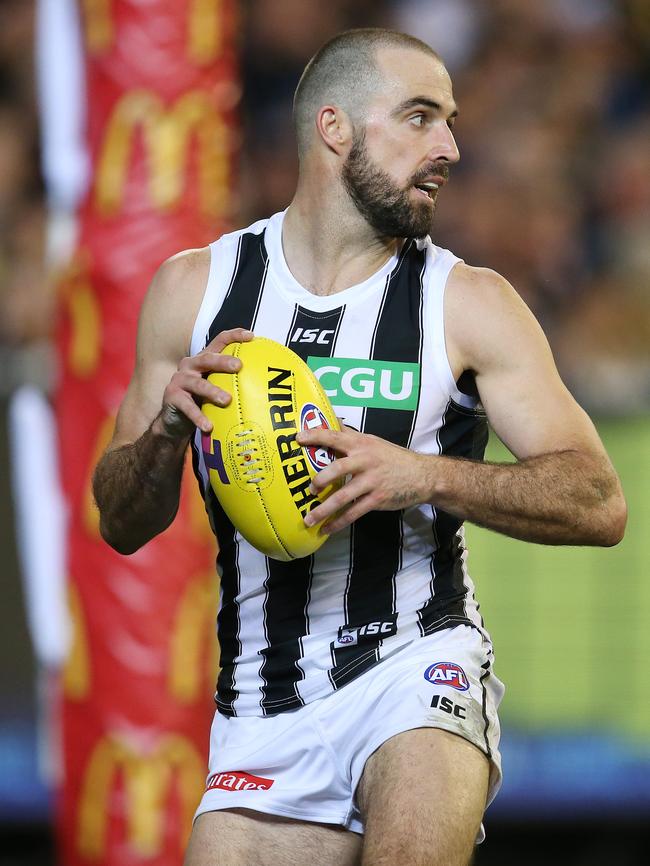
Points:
[381,202]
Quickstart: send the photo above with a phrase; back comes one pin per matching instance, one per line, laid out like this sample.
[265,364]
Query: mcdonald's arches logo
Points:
[90,512]
[147,779]
[79,298]
[167,132]
[98,25]
[193,650]
[205,27]
[193,508]
[76,671]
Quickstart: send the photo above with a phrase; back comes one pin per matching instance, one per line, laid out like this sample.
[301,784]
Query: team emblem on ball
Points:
[311,418]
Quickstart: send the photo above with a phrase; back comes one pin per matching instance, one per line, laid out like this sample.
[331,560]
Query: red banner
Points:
[162,97]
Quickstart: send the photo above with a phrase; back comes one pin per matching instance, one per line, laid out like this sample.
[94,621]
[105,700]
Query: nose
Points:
[443,146]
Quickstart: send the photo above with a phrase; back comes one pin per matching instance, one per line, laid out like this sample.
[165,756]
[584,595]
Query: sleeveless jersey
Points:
[291,632]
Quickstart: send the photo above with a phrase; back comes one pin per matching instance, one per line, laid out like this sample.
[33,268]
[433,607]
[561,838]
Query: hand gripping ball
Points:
[258,471]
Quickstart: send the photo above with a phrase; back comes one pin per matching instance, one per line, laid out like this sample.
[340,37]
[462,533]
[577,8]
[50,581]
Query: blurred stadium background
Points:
[553,191]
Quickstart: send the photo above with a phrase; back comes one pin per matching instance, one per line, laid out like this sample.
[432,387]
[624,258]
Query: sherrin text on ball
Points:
[259,472]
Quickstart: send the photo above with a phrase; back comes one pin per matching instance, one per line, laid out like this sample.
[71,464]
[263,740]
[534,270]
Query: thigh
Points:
[240,837]
[422,797]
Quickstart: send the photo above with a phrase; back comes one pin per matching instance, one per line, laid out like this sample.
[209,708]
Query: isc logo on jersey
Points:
[312,335]
[447,674]
[311,418]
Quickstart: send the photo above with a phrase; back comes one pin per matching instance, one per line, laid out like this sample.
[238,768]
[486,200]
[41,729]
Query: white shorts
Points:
[307,763]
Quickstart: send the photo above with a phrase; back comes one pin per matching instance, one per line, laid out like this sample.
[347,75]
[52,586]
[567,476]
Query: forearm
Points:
[565,497]
[137,488]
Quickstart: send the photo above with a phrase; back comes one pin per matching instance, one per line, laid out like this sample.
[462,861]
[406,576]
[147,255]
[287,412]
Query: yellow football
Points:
[258,471]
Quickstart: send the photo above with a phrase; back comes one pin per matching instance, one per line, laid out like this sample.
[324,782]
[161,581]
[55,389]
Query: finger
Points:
[337,440]
[201,389]
[336,470]
[225,338]
[211,362]
[356,510]
[184,405]
[338,500]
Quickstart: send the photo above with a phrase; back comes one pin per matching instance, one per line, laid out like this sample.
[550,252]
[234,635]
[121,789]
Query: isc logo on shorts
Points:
[235,780]
[447,674]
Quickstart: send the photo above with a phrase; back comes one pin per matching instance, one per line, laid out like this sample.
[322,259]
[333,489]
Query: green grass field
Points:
[571,626]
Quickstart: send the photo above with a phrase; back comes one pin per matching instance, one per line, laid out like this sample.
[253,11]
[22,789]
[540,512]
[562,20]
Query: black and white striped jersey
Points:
[292,632]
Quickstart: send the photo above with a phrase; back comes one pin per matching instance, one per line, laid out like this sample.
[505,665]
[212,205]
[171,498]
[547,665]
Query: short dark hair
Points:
[345,72]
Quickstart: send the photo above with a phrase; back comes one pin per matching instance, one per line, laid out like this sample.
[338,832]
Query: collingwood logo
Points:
[378,384]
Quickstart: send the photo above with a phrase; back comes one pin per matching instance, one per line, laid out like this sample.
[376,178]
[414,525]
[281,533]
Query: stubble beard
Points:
[384,205]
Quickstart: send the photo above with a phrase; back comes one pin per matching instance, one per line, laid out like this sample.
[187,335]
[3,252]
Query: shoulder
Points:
[187,269]
[483,286]
[173,299]
[484,317]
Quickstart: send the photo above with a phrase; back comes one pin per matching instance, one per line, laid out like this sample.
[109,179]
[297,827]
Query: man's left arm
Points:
[562,489]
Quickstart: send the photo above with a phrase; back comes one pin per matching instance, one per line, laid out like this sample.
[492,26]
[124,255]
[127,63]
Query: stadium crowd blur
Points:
[553,188]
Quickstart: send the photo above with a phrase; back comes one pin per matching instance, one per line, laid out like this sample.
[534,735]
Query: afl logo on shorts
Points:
[311,418]
[447,674]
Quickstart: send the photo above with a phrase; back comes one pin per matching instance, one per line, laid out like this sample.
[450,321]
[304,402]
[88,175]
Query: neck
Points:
[327,244]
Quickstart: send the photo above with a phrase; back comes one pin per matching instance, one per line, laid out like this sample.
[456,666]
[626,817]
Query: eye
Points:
[417,119]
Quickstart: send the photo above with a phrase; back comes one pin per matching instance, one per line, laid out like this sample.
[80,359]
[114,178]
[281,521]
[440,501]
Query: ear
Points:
[334,128]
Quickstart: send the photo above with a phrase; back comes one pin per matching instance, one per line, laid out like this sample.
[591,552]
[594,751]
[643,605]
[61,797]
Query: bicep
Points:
[531,410]
[528,406]
[164,331]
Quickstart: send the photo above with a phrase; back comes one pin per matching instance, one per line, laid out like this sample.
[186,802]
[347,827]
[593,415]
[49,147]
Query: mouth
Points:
[429,188]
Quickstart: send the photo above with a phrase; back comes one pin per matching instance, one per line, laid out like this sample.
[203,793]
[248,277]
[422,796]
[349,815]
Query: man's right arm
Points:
[137,481]
[137,488]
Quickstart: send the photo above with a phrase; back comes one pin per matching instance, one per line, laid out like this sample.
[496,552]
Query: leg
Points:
[239,837]
[422,796]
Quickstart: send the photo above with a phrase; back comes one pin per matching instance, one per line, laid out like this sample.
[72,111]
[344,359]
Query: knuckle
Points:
[173,388]
[221,398]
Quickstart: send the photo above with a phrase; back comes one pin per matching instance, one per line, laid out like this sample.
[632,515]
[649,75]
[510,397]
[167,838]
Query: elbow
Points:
[119,542]
[124,549]
[613,521]
[127,537]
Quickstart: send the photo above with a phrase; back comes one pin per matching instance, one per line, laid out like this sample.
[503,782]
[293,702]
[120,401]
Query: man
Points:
[357,694]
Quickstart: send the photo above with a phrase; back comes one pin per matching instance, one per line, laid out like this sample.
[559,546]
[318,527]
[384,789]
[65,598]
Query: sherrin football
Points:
[258,471]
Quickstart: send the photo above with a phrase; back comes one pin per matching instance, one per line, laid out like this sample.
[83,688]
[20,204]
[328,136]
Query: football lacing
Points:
[246,453]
